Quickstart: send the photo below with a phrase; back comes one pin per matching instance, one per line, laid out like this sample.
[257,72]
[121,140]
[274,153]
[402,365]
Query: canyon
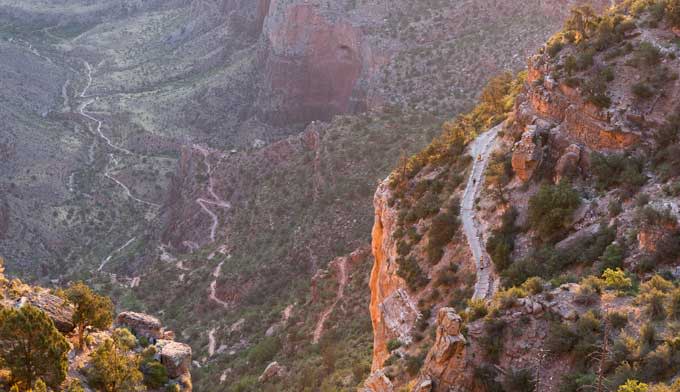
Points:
[216,162]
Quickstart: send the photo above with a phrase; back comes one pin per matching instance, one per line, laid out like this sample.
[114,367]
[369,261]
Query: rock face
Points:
[176,357]
[527,154]
[446,357]
[55,307]
[313,63]
[581,121]
[393,312]
[141,324]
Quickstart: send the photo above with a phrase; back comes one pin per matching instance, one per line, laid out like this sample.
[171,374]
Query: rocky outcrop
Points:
[393,312]
[446,357]
[582,122]
[55,307]
[176,357]
[569,163]
[527,154]
[141,324]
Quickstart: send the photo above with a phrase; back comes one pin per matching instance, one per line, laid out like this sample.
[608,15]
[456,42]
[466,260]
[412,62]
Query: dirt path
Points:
[213,287]
[216,200]
[109,257]
[342,283]
[212,342]
[480,150]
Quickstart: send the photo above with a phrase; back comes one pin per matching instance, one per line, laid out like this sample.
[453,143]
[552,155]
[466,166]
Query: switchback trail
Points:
[213,287]
[342,283]
[100,134]
[215,200]
[480,149]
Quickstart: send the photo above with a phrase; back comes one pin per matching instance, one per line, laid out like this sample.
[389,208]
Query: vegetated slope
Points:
[579,216]
[68,339]
[164,78]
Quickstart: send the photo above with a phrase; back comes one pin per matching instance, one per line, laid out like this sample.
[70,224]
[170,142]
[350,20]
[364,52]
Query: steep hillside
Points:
[576,285]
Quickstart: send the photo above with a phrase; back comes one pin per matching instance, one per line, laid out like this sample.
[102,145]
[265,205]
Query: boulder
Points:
[176,357]
[55,307]
[568,164]
[141,324]
[272,371]
[527,154]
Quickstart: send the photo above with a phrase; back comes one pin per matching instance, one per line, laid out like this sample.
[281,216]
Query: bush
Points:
[647,54]
[533,285]
[502,241]
[617,320]
[410,271]
[617,170]
[633,386]
[393,344]
[617,279]
[507,299]
[492,341]
[642,90]
[442,230]
[552,208]
[476,309]
[521,380]
[264,351]
[155,374]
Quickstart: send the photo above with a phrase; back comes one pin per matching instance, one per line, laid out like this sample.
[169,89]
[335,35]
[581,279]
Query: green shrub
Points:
[617,320]
[617,170]
[519,380]
[551,209]
[492,340]
[642,90]
[155,374]
[502,241]
[393,344]
[410,271]
[265,350]
[476,309]
[533,285]
[442,230]
[647,54]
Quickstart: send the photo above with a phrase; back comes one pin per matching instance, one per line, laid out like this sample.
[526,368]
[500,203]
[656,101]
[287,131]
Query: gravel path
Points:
[480,150]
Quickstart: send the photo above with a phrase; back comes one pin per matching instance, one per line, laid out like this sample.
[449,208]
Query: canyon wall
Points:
[312,63]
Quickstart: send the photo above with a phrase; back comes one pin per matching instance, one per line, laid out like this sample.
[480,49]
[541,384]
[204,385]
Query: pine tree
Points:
[91,309]
[113,370]
[32,347]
